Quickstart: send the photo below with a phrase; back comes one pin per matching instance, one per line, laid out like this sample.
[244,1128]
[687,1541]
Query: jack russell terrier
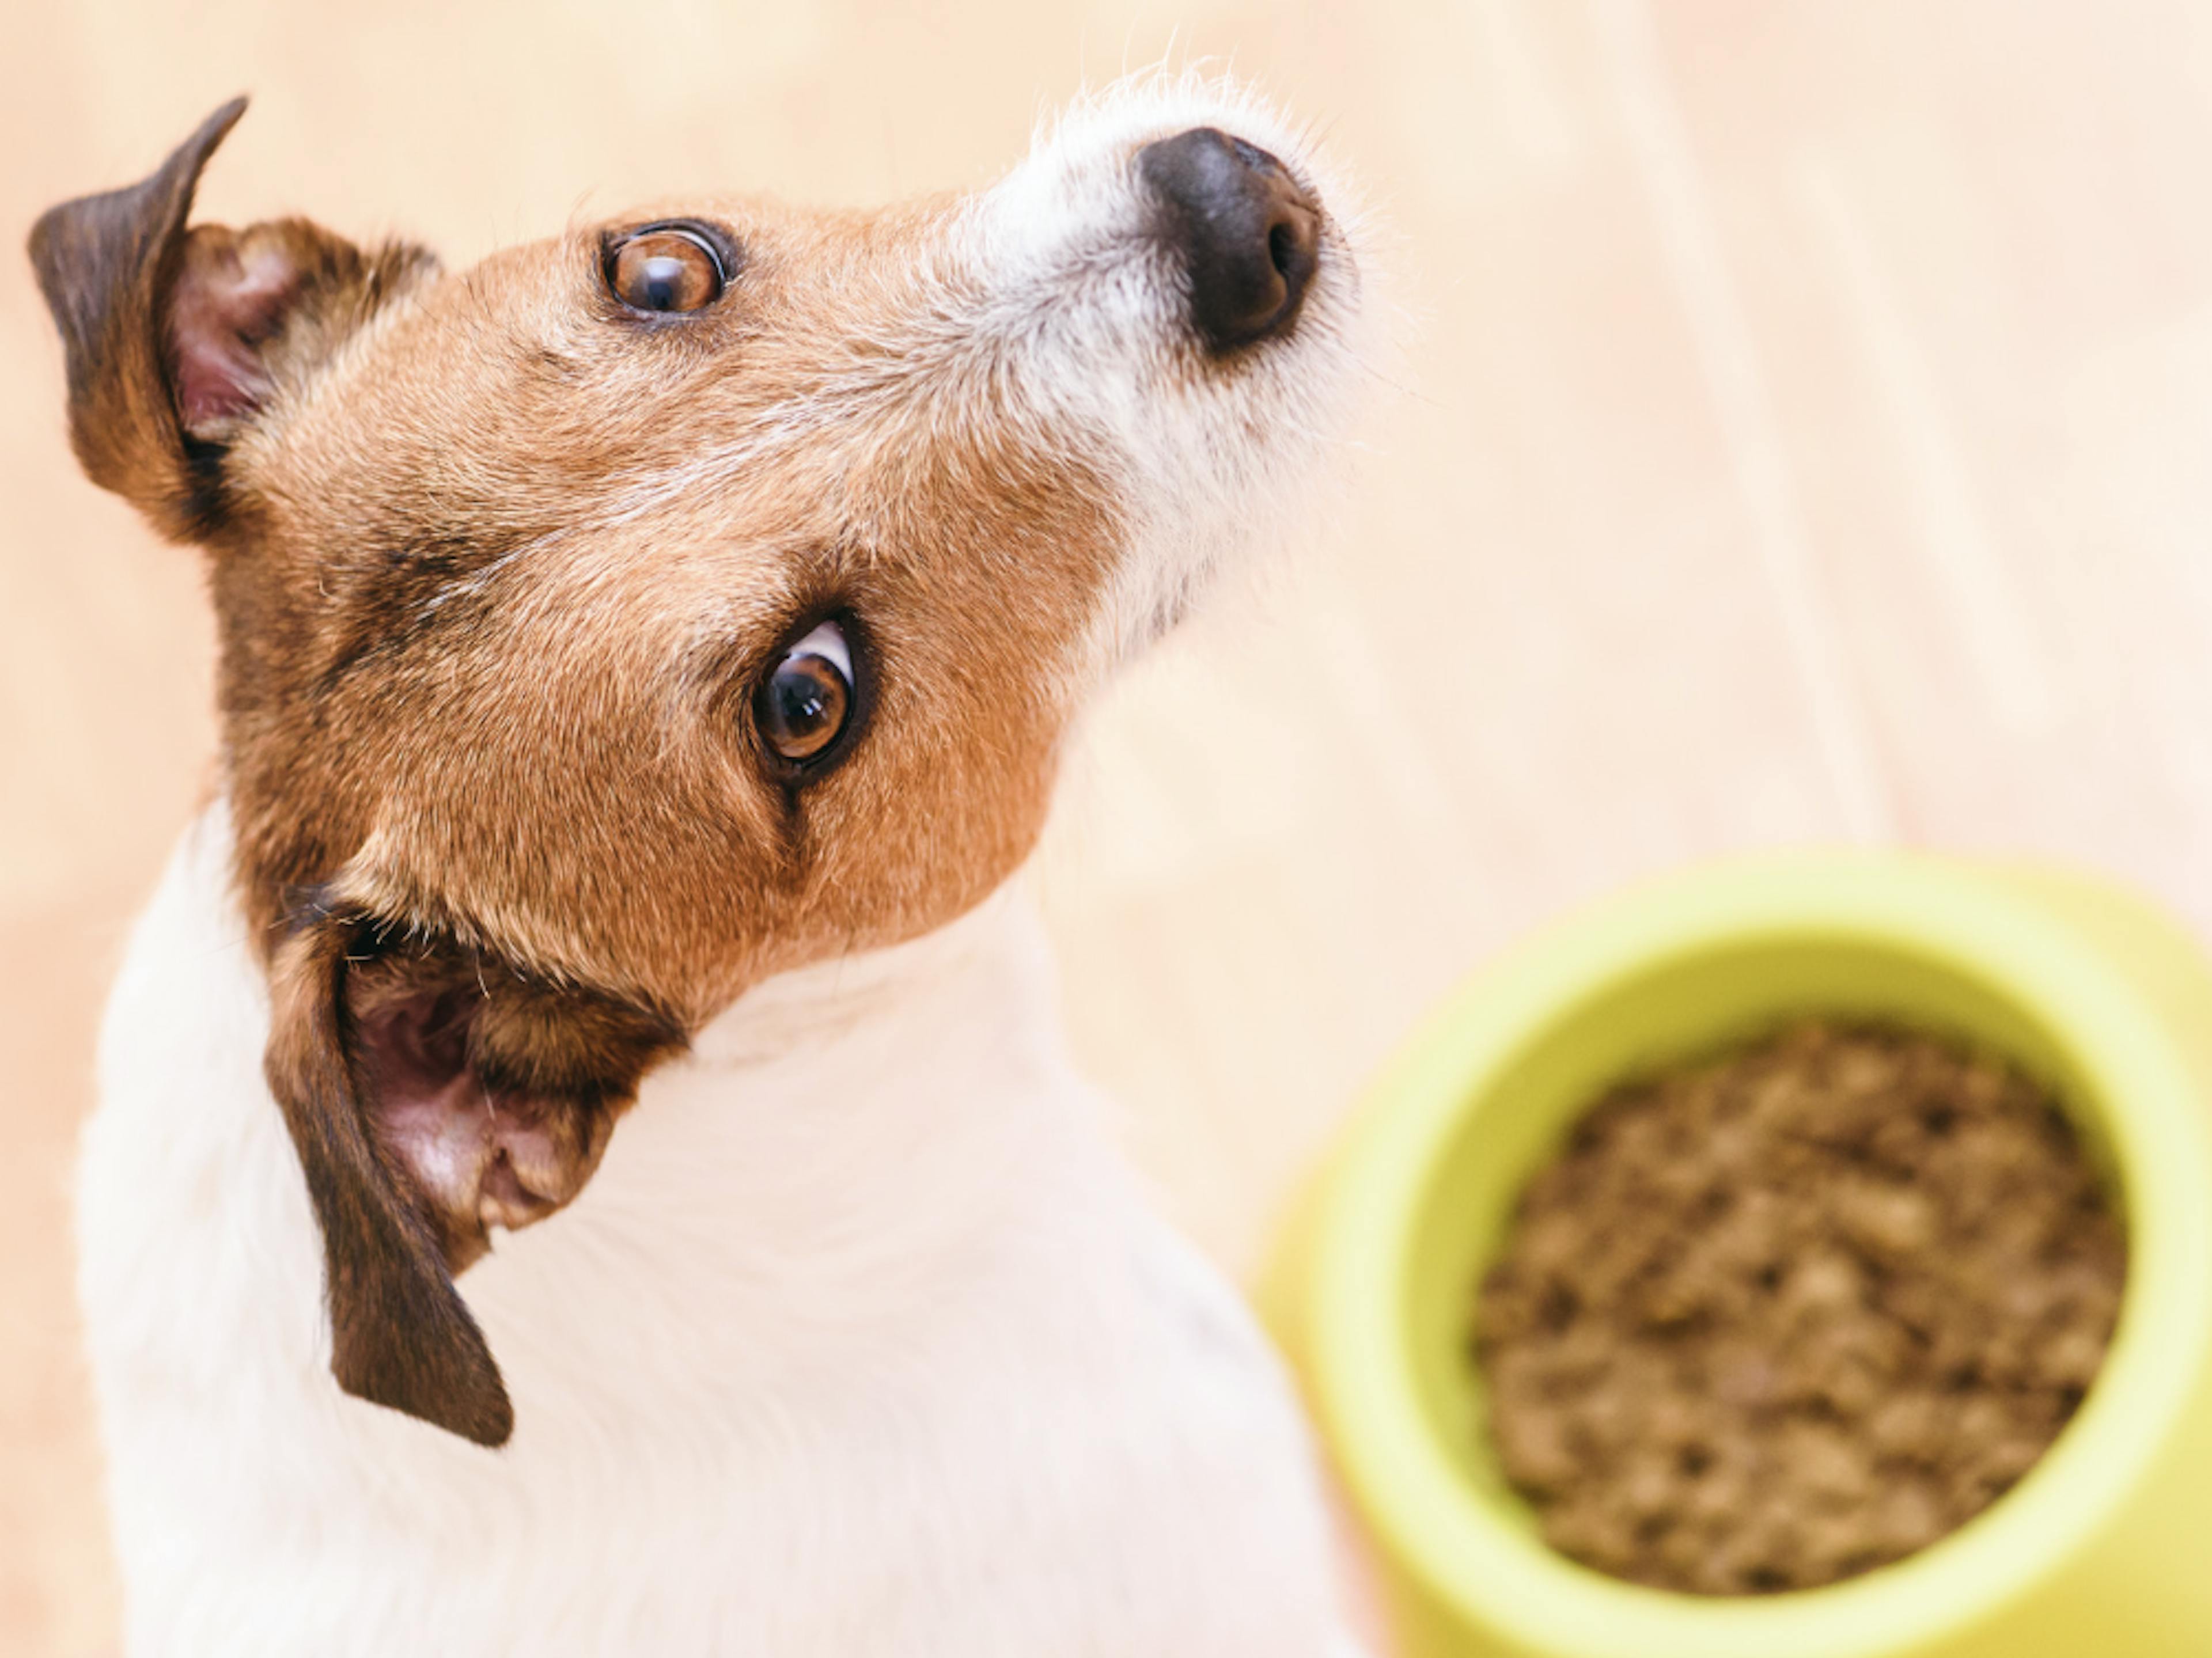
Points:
[645,659]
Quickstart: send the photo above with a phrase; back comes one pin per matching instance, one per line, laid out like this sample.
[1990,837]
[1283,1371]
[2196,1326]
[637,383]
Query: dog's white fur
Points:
[862,1341]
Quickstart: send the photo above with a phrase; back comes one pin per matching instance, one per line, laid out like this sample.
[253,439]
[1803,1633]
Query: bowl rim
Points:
[1503,1580]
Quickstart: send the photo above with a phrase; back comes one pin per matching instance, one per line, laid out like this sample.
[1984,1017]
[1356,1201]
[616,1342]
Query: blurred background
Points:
[1800,430]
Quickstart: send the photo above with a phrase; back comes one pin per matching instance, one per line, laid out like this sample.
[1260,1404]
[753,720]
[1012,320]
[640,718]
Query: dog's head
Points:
[688,598]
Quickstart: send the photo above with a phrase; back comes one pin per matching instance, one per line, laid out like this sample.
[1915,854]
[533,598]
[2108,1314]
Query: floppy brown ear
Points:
[433,1095]
[175,339]
[400,1334]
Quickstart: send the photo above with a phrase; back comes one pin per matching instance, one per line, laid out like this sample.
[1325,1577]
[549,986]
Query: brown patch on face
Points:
[499,565]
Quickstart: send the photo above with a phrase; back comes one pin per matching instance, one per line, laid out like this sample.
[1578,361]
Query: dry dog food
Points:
[1778,1318]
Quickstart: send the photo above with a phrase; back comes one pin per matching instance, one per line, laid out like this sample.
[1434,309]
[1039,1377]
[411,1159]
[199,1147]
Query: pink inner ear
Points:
[229,301]
[479,1161]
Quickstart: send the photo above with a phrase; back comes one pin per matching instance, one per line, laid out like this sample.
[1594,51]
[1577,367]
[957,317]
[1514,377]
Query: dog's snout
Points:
[1248,235]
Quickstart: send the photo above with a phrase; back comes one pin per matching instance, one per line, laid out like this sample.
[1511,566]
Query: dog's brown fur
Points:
[490,630]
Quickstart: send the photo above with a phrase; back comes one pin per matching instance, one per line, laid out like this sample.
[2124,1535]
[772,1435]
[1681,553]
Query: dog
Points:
[645,661]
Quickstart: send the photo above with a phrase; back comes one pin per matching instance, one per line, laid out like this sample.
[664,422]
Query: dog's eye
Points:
[803,706]
[665,270]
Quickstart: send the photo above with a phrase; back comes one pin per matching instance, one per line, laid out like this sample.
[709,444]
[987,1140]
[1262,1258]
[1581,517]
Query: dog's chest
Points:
[815,1368]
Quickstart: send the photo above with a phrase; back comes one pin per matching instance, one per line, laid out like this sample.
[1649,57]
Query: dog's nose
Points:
[1248,236]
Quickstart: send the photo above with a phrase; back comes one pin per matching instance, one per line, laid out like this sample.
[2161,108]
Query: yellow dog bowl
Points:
[2104,1549]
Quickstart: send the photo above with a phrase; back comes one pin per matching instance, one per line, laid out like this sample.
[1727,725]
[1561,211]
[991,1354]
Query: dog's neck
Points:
[995,949]
[849,1148]
[838,1092]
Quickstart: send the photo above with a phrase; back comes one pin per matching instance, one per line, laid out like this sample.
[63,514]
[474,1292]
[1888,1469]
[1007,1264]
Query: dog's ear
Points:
[175,340]
[400,1333]
[432,1096]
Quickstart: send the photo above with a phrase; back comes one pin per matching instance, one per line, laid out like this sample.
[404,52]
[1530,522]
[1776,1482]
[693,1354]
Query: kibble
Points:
[1778,1318]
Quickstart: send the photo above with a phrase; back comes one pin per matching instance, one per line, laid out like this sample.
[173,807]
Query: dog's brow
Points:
[408,580]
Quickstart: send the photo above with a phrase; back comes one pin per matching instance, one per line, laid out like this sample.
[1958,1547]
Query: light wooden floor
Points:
[1804,432]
